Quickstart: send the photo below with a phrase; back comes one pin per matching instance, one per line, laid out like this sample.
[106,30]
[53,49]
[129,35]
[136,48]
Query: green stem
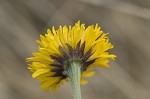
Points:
[74,76]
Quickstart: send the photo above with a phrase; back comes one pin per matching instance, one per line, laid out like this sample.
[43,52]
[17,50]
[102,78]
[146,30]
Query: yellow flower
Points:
[58,48]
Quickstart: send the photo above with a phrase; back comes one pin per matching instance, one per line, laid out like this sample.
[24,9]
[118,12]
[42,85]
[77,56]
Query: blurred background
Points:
[127,21]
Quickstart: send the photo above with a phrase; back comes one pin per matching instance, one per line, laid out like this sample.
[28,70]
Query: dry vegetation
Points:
[128,21]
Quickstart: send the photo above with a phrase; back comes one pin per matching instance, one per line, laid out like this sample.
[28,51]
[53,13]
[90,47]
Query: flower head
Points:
[60,48]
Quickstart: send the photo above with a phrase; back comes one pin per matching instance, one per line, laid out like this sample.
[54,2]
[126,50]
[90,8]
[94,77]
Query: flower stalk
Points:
[74,72]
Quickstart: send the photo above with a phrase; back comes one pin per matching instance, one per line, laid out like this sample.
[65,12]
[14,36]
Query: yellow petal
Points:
[39,72]
[101,63]
[50,83]
[88,74]
[82,81]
